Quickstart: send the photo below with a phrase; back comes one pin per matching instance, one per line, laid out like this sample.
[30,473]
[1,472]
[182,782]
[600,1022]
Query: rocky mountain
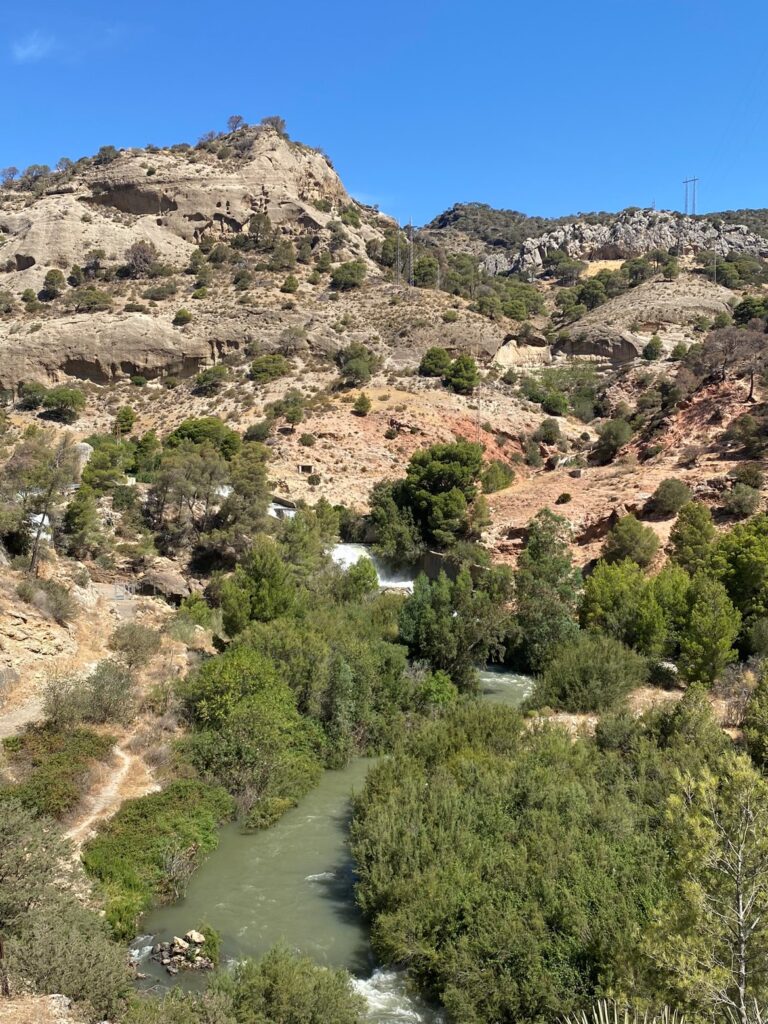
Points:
[82,221]
[509,242]
[173,198]
[240,236]
[250,294]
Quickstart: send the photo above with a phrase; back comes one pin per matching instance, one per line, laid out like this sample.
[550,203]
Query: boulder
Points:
[163,578]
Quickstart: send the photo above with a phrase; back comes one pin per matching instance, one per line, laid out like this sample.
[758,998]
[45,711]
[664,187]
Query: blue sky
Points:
[549,107]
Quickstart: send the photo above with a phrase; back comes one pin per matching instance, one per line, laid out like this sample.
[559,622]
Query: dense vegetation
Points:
[503,228]
[149,849]
[520,874]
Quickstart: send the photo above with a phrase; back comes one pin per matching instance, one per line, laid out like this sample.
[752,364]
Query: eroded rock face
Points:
[99,347]
[172,199]
[632,233]
[599,342]
[191,197]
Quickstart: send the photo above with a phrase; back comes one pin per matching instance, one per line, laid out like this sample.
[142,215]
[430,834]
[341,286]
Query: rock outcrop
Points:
[99,347]
[599,342]
[630,233]
[187,954]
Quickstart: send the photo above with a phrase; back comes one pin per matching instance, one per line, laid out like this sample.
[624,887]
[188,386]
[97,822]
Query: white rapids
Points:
[390,1003]
[347,555]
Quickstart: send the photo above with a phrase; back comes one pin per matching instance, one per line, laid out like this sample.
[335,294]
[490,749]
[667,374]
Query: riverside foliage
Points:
[521,873]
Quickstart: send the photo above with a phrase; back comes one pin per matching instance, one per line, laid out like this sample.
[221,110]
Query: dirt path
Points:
[14,721]
[127,777]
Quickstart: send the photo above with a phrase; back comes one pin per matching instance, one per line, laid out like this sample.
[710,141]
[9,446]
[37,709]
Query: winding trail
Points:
[128,778]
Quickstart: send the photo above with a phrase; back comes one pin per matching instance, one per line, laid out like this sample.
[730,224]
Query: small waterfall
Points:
[278,511]
[347,555]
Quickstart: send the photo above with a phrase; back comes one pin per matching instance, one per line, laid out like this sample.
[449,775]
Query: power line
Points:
[410,261]
[691,181]
[397,259]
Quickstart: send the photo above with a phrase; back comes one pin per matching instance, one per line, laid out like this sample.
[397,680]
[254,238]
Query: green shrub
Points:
[149,849]
[210,380]
[52,765]
[751,474]
[314,479]
[356,364]
[756,724]
[653,349]
[555,403]
[269,367]
[206,430]
[496,476]
[434,363]
[679,351]
[182,317]
[533,455]
[158,292]
[291,989]
[670,496]
[106,695]
[450,316]
[548,432]
[362,405]
[49,597]
[134,643]
[64,403]
[290,285]
[741,501]
[307,440]
[89,299]
[462,375]
[125,419]
[613,435]
[348,275]
[350,217]
[31,394]
[630,539]
[563,499]
[138,380]
[259,431]
[591,673]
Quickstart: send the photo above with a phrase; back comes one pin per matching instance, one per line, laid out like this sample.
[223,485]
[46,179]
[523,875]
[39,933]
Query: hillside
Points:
[153,265]
[510,242]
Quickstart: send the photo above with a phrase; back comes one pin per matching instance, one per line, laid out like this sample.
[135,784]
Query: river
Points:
[294,883]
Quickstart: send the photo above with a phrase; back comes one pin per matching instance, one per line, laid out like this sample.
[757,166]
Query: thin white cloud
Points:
[32,48]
